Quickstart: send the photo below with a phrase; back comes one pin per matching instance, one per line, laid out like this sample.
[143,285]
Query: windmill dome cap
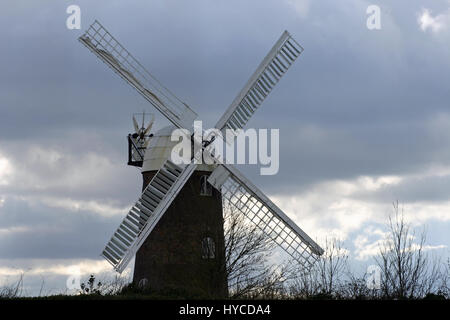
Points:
[159,150]
[165,132]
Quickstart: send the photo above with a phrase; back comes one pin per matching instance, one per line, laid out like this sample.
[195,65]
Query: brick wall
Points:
[171,256]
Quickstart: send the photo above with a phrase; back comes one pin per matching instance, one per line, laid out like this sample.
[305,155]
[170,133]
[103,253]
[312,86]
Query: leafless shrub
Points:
[444,285]
[247,251]
[407,271]
[355,288]
[325,278]
[107,287]
[115,285]
[12,291]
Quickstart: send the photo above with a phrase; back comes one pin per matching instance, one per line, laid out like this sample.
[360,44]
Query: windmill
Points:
[166,211]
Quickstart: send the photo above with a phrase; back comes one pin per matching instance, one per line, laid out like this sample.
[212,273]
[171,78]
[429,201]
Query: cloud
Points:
[50,276]
[66,176]
[350,209]
[31,229]
[330,209]
[436,23]
[15,229]
[101,208]
[365,246]
[363,116]
[368,244]
[61,267]
[301,7]
[5,171]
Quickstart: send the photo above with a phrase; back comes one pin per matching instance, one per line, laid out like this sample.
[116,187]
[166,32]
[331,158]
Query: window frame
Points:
[208,246]
[205,187]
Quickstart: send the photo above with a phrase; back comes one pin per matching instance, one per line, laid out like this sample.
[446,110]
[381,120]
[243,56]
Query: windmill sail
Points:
[145,214]
[169,180]
[240,193]
[111,52]
[269,72]
[135,124]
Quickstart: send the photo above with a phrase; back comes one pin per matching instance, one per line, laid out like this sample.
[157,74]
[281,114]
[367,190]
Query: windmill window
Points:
[205,187]
[208,248]
[143,283]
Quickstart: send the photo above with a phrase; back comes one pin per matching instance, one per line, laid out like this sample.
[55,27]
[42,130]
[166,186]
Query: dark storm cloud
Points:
[313,154]
[360,102]
[77,166]
[348,77]
[38,231]
[432,189]
[366,93]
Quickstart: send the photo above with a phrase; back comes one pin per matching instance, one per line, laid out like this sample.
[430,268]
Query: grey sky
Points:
[357,103]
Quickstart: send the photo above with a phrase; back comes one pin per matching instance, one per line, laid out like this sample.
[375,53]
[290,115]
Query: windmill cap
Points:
[159,150]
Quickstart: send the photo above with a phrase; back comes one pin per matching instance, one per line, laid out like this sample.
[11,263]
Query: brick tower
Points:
[185,251]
